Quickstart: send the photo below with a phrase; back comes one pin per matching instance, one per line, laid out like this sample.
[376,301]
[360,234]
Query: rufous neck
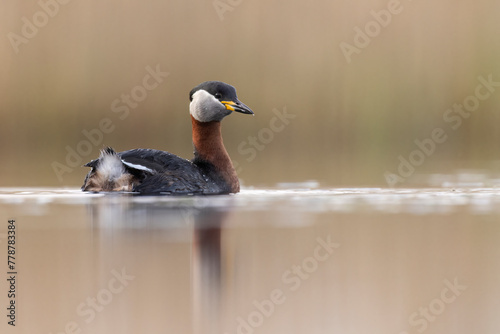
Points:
[208,146]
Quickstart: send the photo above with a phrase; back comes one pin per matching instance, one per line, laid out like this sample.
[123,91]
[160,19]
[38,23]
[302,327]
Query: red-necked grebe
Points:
[150,171]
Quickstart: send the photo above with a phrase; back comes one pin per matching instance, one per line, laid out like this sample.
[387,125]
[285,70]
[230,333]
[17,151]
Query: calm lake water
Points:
[294,259]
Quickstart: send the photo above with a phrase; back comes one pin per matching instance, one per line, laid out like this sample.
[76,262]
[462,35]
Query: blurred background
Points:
[65,67]
[345,94]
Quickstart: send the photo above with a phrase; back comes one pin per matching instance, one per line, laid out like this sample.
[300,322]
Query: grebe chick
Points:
[148,171]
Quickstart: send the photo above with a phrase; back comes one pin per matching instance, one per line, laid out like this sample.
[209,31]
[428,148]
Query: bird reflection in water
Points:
[197,220]
[206,271]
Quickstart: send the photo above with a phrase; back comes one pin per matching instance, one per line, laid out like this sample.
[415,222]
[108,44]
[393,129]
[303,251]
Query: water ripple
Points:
[343,200]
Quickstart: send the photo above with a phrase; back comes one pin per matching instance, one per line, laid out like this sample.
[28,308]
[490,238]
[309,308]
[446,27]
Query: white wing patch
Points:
[139,167]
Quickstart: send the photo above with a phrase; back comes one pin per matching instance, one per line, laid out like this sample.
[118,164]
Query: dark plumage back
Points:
[151,171]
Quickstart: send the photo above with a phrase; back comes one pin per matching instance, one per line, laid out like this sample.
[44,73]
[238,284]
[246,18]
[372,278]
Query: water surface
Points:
[293,259]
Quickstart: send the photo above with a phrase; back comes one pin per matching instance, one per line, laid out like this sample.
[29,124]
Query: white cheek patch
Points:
[204,106]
